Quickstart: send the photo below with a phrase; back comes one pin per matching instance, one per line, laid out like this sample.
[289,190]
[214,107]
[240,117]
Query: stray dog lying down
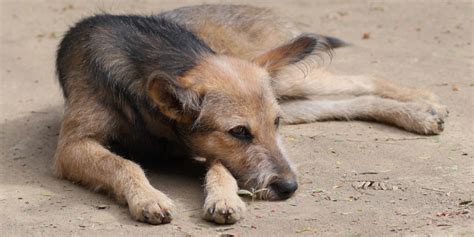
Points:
[212,81]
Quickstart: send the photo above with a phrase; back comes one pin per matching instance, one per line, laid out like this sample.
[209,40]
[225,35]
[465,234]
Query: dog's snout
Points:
[284,188]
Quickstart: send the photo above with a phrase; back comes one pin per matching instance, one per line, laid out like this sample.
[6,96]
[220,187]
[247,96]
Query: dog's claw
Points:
[210,210]
[151,207]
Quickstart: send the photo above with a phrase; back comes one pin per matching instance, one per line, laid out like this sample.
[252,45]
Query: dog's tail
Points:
[333,42]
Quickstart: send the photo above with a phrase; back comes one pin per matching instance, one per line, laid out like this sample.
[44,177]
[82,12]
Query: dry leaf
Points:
[455,87]
[375,185]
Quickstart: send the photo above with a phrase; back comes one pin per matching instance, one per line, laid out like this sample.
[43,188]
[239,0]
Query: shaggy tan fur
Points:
[254,79]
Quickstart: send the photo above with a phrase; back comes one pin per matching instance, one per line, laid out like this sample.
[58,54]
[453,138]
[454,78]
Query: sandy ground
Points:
[417,43]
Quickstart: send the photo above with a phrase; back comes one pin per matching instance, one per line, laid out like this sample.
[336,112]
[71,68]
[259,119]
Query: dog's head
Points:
[227,111]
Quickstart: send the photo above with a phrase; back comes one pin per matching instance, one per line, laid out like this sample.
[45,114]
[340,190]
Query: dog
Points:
[209,81]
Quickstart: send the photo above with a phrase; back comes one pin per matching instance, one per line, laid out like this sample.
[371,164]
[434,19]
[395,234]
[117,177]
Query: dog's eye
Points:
[241,132]
[277,122]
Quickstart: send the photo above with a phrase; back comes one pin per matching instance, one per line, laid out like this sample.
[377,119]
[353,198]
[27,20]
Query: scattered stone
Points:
[466,203]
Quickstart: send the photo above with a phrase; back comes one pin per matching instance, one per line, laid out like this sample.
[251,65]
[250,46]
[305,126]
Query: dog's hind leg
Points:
[222,204]
[81,157]
[292,82]
[417,117]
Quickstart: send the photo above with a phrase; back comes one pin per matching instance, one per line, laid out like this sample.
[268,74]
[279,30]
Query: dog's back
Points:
[125,45]
[237,30]
[240,30]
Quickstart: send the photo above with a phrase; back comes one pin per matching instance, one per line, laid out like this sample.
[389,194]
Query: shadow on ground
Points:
[28,144]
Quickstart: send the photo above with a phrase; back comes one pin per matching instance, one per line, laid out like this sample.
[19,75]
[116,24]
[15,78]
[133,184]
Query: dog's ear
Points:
[174,97]
[289,53]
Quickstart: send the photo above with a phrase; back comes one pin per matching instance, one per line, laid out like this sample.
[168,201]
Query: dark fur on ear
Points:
[292,52]
[175,99]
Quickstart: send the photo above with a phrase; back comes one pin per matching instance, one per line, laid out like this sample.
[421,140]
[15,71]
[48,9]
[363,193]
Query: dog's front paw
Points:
[223,210]
[152,207]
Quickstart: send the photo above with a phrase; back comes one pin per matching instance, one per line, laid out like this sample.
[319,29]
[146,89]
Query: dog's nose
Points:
[284,188]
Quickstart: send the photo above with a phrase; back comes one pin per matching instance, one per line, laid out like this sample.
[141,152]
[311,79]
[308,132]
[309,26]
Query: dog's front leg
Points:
[88,162]
[222,204]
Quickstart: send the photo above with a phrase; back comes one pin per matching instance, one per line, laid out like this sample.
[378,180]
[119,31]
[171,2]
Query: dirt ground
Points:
[429,180]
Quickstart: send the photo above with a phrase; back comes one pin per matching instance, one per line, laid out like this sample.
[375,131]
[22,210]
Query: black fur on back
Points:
[120,52]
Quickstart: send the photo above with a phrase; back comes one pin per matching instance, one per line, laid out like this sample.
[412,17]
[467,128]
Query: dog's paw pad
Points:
[225,211]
